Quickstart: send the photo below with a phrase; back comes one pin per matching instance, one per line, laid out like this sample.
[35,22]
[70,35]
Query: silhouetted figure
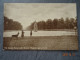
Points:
[31,33]
[22,35]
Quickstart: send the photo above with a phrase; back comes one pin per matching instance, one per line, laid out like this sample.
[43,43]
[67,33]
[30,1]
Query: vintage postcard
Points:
[40,26]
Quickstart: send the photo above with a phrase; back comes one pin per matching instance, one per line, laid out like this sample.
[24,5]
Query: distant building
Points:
[35,27]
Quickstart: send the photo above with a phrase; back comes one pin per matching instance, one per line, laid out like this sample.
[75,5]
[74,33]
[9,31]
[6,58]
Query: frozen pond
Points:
[39,33]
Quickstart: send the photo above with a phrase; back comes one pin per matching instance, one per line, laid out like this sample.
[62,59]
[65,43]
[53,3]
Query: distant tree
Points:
[6,23]
[17,25]
[61,24]
[75,22]
[55,23]
[67,23]
[31,27]
[71,24]
[49,24]
[9,24]
[41,25]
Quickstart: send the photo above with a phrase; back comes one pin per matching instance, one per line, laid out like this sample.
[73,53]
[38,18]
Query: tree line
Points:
[9,24]
[49,24]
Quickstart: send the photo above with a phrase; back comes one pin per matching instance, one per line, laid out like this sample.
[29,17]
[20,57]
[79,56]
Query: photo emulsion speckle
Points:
[40,26]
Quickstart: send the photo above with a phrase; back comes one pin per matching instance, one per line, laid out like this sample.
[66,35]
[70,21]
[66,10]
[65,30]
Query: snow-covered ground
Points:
[39,33]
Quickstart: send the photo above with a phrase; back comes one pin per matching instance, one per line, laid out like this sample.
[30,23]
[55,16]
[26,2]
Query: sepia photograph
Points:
[40,26]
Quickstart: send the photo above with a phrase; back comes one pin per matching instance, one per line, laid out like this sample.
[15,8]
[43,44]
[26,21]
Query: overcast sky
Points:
[26,13]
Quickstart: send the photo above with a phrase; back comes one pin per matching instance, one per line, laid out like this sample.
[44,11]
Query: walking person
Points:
[31,33]
[22,34]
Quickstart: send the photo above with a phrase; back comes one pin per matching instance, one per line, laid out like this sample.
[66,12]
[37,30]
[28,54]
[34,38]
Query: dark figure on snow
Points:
[22,34]
[31,33]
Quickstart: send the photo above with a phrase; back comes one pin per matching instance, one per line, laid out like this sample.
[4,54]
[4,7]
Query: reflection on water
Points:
[39,33]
